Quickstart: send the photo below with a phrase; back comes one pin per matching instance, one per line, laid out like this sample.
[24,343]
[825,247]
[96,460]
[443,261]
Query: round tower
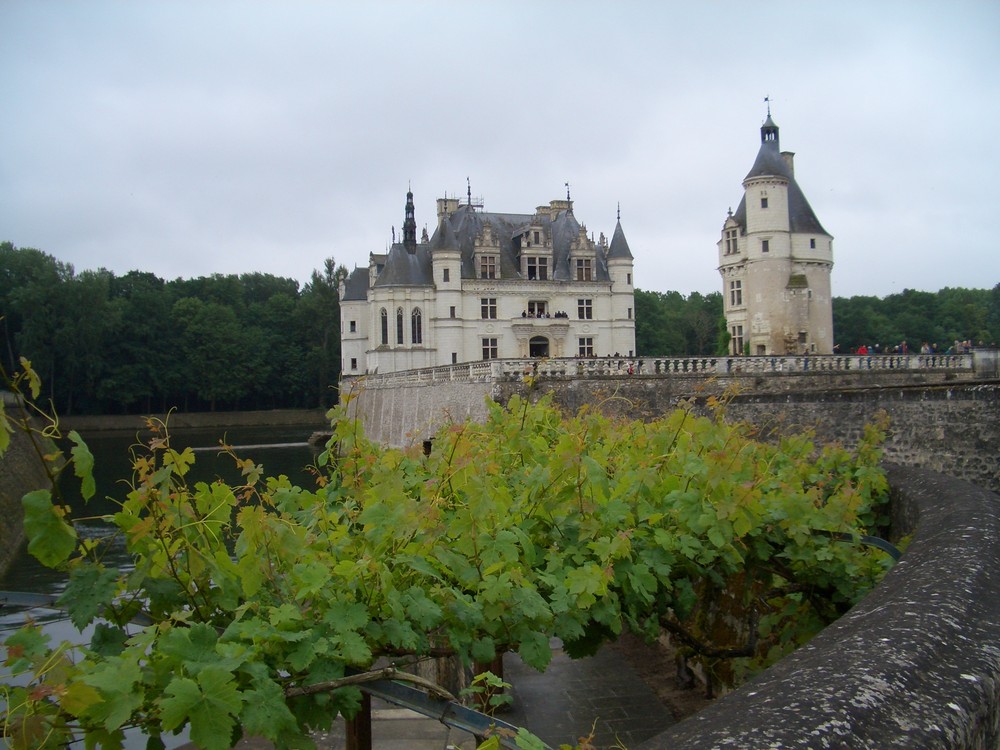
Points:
[775,259]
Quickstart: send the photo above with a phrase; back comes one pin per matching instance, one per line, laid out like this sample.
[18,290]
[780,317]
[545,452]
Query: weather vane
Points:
[767,99]
[567,191]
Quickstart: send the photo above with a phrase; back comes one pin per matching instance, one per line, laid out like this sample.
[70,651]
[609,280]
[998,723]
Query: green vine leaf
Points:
[83,465]
[209,704]
[91,587]
[50,539]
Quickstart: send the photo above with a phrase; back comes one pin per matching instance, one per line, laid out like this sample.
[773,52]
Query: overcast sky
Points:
[192,138]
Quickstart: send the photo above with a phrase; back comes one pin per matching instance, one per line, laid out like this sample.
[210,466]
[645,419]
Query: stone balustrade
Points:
[657,367]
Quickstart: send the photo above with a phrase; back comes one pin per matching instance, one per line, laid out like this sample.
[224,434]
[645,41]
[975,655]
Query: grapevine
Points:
[529,526]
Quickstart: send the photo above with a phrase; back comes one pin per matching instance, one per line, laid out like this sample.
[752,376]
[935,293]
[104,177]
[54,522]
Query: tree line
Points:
[106,344]
[667,323]
[938,319]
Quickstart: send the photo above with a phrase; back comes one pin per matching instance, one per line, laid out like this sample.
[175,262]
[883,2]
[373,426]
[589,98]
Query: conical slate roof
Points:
[619,245]
[770,163]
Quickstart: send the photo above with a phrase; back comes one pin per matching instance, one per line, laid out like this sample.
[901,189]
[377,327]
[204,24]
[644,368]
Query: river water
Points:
[280,451]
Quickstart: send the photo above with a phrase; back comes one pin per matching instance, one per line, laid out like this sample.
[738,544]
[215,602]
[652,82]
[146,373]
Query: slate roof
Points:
[460,229]
[356,285]
[403,268]
[770,162]
[619,245]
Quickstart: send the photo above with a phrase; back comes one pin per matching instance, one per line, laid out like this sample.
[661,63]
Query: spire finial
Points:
[468,186]
[619,210]
[567,191]
[767,100]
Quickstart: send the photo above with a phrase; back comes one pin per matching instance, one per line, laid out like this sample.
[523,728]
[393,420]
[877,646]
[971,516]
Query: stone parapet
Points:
[914,665]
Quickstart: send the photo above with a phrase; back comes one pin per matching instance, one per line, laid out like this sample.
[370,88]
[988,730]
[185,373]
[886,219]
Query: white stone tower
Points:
[775,259]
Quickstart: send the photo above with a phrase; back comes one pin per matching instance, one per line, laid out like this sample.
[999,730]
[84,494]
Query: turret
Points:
[410,225]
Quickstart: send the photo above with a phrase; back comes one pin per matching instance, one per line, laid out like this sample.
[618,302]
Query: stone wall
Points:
[21,471]
[947,422]
[951,429]
[914,665]
[407,415]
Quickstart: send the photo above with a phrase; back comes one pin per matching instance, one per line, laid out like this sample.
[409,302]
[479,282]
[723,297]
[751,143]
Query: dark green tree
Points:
[319,316]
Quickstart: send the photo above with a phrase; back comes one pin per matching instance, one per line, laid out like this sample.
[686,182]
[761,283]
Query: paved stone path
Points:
[562,704]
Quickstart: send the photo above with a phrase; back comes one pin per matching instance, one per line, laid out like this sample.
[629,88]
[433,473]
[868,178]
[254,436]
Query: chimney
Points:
[789,157]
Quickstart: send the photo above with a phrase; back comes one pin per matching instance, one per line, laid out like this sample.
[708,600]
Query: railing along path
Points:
[659,367]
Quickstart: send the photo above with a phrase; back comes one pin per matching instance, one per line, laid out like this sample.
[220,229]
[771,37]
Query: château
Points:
[487,286]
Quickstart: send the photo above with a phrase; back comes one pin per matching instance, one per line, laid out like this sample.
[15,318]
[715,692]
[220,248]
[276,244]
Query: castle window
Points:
[446,275]
[630,313]
[812,243]
[736,332]
[534,237]
[536,309]
[763,202]
[487,266]
[584,270]
[765,246]
[586,346]
[628,279]
[416,327]
[490,349]
[354,363]
[731,243]
[454,358]
[399,325]
[451,311]
[585,309]
[537,268]
[735,293]
[489,307]
[354,326]
[385,327]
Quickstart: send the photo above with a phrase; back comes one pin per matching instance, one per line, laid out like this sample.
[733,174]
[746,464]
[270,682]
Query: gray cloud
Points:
[191,138]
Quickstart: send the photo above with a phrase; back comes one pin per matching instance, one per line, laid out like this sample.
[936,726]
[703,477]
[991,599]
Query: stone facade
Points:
[487,286]
[775,259]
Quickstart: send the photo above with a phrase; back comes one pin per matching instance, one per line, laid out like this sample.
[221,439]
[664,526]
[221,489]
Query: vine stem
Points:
[386,673]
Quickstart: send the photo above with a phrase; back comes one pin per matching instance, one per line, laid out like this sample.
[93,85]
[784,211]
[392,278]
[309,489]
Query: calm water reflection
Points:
[280,451]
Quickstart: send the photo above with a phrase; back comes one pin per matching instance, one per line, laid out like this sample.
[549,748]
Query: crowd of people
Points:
[958,347]
[526,314]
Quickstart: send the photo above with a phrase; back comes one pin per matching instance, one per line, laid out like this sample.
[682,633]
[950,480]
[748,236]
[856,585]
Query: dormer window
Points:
[584,269]
[536,268]
[487,266]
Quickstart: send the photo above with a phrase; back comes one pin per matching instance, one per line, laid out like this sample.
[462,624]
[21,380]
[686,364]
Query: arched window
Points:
[416,327]
[399,325]
[385,327]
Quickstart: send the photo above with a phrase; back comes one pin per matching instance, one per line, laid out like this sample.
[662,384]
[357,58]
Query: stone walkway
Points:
[561,705]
